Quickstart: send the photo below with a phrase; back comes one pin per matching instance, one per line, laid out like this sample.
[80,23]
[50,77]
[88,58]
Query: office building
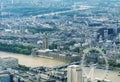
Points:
[74,73]
[105,34]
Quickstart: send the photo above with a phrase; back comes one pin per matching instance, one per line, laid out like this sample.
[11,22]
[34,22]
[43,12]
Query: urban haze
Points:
[59,40]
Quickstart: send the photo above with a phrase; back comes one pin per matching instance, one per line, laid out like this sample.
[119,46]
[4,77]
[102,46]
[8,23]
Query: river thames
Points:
[31,61]
[37,61]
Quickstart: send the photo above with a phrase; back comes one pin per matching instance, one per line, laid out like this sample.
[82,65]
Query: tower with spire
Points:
[45,41]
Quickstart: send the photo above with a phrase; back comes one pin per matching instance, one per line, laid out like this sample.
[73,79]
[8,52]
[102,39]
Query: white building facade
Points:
[74,73]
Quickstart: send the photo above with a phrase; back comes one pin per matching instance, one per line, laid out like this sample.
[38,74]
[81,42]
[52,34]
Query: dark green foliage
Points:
[114,64]
[72,42]
[104,51]
[53,46]
[66,47]
[77,49]
[94,51]
[37,30]
[98,81]
[16,48]
[24,68]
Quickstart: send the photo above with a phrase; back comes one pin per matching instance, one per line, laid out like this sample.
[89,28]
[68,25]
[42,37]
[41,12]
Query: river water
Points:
[31,61]
[110,75]
[37,61]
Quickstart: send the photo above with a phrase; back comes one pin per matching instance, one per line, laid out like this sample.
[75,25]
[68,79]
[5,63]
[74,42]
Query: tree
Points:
[72,42]
[66,47]
[16,48]
[77,49]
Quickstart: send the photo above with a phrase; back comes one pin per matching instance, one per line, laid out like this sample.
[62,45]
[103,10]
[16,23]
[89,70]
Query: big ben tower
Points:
[45,42]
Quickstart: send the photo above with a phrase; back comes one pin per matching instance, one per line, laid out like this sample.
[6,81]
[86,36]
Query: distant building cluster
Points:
[61,30]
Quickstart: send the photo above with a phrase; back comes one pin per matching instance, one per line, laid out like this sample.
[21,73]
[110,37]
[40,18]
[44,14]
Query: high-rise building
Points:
[45,42]
[1,10]
[100,39]
[38,78]
[105,34]
[74,73]
[119,37]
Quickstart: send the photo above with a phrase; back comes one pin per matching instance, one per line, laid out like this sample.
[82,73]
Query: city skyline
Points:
[59,41]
